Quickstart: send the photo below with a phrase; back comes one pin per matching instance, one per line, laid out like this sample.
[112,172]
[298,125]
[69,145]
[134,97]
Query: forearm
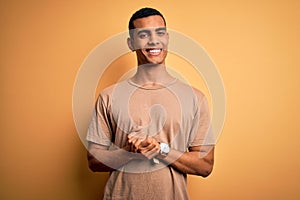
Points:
[96,166]
[103,160]
[195,162]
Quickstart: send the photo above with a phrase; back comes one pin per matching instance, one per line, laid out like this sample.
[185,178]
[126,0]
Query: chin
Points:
[156,62]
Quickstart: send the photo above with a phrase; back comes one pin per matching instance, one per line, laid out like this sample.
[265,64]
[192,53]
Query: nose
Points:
[153,40]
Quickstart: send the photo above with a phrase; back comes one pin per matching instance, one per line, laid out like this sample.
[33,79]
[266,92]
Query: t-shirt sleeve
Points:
[99,130]
[201,130]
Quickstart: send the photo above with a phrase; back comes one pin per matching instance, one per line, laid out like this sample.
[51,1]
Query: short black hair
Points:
[144,12]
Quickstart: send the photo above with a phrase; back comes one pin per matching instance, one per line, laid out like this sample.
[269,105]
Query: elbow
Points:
[207,169]
[202,172]
[205,173]
[92,166]
[93,163]
[97,166]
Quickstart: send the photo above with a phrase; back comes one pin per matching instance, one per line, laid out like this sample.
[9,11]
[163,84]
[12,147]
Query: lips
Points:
[154,51]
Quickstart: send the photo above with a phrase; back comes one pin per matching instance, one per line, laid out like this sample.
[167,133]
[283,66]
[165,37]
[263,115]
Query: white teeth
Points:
[155,51]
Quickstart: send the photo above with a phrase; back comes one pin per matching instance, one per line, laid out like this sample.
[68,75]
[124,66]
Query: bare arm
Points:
[198,161]
[101,159]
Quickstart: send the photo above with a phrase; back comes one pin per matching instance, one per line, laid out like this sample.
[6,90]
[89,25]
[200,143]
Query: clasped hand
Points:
[142,143]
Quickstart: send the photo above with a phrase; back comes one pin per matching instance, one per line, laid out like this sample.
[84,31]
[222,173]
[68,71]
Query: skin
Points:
[150,34]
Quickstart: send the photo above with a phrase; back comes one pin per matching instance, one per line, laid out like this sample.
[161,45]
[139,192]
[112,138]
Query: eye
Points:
[161,33]
[143,35]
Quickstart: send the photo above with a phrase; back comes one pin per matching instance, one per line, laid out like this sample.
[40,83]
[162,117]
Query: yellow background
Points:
[255,45]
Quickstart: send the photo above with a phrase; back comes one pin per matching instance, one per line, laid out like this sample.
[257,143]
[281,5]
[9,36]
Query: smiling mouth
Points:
[154,51]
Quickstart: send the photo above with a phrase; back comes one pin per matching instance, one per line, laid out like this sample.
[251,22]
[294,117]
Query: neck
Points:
[152,73]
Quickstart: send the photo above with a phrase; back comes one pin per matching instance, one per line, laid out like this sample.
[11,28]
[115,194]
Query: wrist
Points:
[164,150]
[130,153]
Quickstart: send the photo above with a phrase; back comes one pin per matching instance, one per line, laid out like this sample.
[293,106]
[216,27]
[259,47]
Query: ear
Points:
[130,44]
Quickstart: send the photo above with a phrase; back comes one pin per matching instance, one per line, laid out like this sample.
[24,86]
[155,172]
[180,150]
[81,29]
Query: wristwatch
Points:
[164,149]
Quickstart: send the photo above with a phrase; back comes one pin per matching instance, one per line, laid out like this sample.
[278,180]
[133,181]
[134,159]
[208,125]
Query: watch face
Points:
[164,148]
[168,148]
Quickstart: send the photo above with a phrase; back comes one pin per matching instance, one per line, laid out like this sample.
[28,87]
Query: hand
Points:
[149,147]
[135,137]
[141,143]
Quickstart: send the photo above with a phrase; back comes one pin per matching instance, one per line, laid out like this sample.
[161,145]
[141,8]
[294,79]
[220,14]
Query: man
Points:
[151,130]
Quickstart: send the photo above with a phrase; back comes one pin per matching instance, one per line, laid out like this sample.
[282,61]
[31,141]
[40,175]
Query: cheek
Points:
[139,44]
[165,42]
[141,54]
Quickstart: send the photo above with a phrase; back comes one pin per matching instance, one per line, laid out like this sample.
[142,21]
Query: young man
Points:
[151,130]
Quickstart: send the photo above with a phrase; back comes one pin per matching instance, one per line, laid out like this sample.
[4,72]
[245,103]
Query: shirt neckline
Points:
[152,86]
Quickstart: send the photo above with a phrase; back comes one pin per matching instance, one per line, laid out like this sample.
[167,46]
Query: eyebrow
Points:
[148,31]
[161,29]
[143,31]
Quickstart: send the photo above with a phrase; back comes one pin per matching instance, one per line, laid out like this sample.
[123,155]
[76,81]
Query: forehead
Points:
[147,22]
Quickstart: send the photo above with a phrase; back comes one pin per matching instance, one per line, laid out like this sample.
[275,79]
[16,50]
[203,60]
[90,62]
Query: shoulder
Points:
[190,91]
[199,95]
[116,92]
[110,90]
